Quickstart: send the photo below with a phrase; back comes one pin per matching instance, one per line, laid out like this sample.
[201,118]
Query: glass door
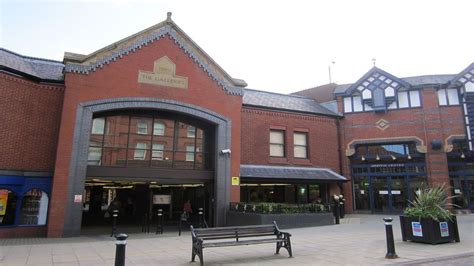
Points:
[397,193]
[380,196]
[361,192]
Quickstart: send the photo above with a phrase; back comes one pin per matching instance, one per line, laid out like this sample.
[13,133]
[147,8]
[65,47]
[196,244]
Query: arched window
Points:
[34,208]
[7,207]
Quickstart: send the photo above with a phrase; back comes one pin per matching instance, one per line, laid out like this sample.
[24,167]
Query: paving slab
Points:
[358,240]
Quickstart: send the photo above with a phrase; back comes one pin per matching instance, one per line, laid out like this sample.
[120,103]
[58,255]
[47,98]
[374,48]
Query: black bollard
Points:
[390,242]
[342,211]
[336,208]
[115,214]
[120,245]
[159,222]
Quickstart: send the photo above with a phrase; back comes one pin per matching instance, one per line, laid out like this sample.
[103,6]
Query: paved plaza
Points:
[359,240]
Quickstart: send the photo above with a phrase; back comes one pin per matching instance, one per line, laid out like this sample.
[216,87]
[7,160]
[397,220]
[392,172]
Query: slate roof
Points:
[321,94]
[284,102]
[289,173]
[44,69]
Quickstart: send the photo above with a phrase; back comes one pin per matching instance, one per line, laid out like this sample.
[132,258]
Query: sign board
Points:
[235,181]
[362,192]
[457,191]
[163,74]
[416,229]
[3,201]
[161,199]
[396,192]
[77,198]
[383,192]
[443,228]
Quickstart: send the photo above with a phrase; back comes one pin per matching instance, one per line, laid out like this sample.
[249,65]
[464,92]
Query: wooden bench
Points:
[238,235]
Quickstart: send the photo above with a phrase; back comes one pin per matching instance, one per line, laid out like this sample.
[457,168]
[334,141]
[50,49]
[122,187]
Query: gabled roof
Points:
[321,94]
[377,78]
[288,173]
[84,64]
[276,101]
[467,75]
[31,67]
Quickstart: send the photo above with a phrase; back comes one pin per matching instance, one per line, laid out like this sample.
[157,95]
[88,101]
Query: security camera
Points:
[226,151]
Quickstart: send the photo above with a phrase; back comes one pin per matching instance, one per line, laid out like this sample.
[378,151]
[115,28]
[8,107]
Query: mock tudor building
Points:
[151,121]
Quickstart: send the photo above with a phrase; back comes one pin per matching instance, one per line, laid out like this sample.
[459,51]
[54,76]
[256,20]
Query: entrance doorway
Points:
[382,192]
[139,202]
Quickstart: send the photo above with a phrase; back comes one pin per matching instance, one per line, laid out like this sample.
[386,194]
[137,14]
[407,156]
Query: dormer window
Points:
[378,91]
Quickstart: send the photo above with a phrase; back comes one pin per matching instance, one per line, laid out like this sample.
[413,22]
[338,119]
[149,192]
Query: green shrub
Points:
[430,202]
[275,208]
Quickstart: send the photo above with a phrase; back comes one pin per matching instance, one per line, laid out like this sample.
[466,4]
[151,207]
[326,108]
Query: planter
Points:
[290,220]
[426,230]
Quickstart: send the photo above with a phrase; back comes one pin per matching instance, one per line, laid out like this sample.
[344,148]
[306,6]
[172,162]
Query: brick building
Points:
[152,121]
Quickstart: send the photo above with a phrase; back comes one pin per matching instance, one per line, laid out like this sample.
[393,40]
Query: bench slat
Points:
[232,236]
[240,243]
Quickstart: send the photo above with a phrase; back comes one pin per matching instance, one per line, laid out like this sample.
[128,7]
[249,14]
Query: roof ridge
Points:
[30,57]
[276,93]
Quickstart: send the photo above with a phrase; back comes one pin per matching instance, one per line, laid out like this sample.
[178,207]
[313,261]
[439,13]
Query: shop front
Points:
[386,176]
[461,175]
[288,185]
[24,202]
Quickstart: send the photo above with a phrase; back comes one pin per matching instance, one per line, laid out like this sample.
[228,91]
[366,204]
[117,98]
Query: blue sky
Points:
[279,46]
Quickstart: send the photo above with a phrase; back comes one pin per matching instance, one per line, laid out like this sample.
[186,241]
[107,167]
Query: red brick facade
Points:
[118,80]
[29,120]
[321,130]
[428,122]
[38,122]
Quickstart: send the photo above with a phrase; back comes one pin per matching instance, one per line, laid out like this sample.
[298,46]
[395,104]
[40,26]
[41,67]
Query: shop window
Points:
[448,97]
[157,153]
[34,208]
[98,125]
[277,143]
[7,207]
[189,153]
[191,133]
[158,129]
[142,128]
[300,145]
[140,152]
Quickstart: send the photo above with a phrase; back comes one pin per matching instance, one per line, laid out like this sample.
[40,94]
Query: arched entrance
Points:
[219,125]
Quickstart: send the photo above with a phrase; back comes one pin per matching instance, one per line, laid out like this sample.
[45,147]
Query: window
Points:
[158,129]
[448,97]
[403,101]
[277,143]
[34,208]
[191,132]
[98,125]
[8,201]
[189,153]
[140,152]
[347,104]
[94,156]
[357,101]
[415,99]
[157,153]
[142,128]
[300,141]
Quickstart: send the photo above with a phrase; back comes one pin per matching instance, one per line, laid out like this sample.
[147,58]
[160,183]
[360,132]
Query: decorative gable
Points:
[84,64]
[378,89]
